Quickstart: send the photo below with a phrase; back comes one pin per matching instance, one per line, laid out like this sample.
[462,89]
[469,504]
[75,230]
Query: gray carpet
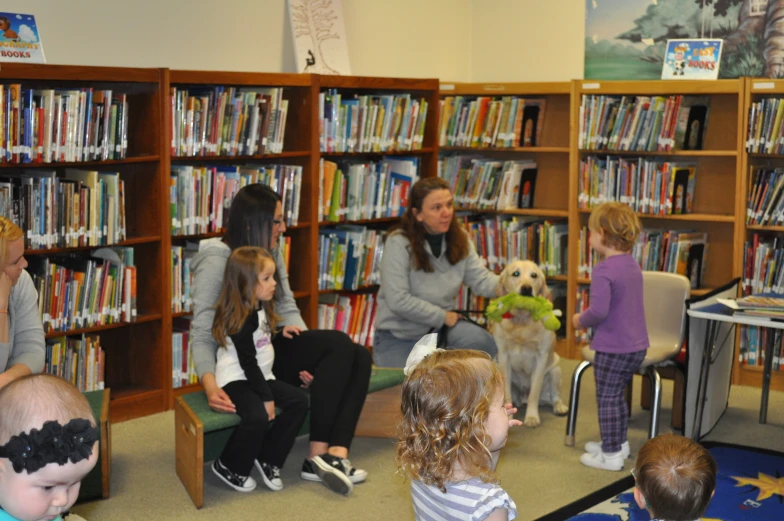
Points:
[537,470]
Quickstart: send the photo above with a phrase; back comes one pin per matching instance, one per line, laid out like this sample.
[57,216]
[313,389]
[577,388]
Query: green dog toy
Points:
[539,307]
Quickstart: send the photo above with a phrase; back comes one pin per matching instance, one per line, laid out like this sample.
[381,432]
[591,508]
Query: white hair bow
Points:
[423,348]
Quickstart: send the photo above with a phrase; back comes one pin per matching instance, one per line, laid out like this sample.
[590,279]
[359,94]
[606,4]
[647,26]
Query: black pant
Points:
[252,439]
[341,374]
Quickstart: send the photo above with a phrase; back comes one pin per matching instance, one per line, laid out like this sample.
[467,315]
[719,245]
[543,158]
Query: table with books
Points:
[763,310]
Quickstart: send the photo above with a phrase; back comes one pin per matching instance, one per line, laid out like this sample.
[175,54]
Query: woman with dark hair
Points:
[336,369]
[426,260]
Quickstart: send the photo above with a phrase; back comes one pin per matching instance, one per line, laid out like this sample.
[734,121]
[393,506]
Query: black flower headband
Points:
[54,443]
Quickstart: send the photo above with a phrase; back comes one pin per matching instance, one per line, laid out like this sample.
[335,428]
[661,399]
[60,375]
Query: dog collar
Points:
[508,314]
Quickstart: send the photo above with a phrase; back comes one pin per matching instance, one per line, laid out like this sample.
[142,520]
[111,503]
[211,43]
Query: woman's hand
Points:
[306,379]
[576,321]
[511,411]
[290,331]
[270,407]
[216,397]
[451,318]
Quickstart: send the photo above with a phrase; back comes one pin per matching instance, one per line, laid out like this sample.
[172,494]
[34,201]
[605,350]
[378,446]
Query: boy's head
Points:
[675,478]
[446,402]
[617,224]
[48,443]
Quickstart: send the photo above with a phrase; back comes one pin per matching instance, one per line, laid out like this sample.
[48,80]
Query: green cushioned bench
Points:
[201,433]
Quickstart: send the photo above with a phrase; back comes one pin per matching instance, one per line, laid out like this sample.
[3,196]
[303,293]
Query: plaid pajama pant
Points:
[613,372]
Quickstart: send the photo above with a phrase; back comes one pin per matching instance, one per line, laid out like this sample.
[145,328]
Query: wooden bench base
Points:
[200,434]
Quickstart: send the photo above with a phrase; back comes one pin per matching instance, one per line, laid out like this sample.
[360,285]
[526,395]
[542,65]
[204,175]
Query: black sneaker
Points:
[270,474]
[354,474]
[331,472]
[235,481]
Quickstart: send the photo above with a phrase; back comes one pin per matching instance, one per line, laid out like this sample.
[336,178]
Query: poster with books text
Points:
[19,40]
[692,59]
[319,36]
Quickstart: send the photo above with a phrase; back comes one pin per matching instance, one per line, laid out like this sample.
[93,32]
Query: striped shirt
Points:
[472,500]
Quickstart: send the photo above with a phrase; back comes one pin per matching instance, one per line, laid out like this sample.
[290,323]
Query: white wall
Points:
[527,40]
[251,35]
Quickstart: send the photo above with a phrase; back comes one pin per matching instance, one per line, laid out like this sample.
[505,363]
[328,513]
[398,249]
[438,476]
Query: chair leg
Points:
[574,398]
[656,389]
[645,394]
[677,399]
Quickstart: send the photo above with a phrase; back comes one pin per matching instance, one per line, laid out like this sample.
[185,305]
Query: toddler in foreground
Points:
[675,478]
[454,426]
[48,444]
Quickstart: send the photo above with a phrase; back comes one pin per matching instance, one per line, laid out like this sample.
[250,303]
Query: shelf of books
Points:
[670,150]
[376,138]
[81,174]
[495,141]
[227,130]
[759,248]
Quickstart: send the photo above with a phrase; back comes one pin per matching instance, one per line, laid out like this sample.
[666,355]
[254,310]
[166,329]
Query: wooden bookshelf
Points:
[551,197]
[135,352]
[718,165]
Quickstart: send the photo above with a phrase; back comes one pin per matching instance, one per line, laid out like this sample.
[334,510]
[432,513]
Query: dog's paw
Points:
[532,421]
[560,408]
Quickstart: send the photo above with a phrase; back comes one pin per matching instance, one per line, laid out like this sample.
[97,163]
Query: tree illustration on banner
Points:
[319,36]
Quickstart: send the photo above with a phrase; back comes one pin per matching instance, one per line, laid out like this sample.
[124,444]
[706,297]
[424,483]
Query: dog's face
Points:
[524,277]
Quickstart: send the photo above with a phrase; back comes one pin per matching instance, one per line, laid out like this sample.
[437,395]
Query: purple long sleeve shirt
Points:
[616,310]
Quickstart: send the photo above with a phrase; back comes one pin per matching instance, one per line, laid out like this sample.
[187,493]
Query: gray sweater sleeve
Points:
[285,305]
[395,268]
[205,290]
[28,332]
[481,280]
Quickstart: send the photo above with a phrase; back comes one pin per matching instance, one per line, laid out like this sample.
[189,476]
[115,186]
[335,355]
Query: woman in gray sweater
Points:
[426,259]
[336,369]
[22,348]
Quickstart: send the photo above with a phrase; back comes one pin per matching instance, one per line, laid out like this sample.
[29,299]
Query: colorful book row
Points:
[82,208]
[764,134]
[200,197]
[62,125]
[642,123]
[754,342]
[480,183]
[675,251]
[763,265]
[491,122]
[349,257]
[355,191]
[227,121]
[648,186]
[80,360]
[77,291]
[371,122]
[183,367]
[765,201]
[353,314]
[503,239]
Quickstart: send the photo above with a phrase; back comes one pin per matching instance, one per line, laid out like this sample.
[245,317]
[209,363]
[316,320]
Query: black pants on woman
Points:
[253,437]
[341,374]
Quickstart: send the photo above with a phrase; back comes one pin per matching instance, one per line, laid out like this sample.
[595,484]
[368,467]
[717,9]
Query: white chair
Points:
[665,297]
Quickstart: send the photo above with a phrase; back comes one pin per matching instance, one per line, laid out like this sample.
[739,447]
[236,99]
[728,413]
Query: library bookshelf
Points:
[755,91]
[717,192]
[552,154]
[136,352]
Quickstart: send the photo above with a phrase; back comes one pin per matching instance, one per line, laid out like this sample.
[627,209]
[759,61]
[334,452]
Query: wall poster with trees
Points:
[626,39]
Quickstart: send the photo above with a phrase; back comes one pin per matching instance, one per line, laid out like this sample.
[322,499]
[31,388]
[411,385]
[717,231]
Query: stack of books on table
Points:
[769,305]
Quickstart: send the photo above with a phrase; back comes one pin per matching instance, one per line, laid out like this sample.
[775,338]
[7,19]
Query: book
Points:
[527,187]
[682,189]
[692,119]
[533,120]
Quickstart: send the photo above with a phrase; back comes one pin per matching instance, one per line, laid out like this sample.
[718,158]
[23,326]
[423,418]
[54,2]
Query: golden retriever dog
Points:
[526,350]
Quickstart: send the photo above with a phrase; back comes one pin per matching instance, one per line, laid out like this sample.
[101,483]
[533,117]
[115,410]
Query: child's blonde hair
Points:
[9,232]
[618,223]
[446,402]
[238,296]
[676,476]
[30,401]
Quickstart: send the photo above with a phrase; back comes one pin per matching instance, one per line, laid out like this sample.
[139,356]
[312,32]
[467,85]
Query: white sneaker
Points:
[594,447]
[603,460]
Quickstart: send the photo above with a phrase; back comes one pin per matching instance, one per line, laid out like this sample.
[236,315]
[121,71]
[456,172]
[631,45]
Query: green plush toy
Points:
[540,308]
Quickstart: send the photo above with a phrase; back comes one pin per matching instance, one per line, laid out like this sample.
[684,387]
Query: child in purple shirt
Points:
[620,339]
